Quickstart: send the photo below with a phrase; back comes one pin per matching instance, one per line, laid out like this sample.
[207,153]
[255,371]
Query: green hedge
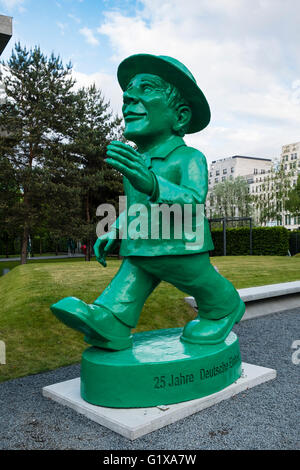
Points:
[295,242]
[265,241]
[13,246]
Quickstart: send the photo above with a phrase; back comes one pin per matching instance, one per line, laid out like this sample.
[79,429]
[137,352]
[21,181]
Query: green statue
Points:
[162,103]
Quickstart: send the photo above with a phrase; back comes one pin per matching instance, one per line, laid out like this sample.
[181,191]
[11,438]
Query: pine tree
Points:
[9,197]
[99,183]
[36,120]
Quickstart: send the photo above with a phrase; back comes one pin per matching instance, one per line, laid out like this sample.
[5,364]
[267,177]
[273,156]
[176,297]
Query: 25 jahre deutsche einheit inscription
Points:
[202,374]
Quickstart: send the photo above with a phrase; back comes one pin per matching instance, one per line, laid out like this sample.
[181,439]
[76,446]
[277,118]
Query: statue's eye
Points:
[147,87]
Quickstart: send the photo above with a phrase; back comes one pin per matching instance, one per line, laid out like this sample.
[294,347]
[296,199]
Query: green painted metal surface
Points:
[158,370]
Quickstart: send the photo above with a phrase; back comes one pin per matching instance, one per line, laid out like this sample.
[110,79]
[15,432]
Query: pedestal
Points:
[158,370]
[136,422]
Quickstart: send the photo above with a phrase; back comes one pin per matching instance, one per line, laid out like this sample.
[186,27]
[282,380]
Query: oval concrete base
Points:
[158,370]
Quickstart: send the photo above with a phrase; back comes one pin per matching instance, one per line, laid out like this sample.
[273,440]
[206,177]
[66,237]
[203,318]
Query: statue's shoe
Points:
[203,331]
[100,327]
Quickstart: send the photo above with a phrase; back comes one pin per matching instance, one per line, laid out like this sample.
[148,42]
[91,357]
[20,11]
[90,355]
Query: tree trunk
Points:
[24,245]
[6,246]
[27,206]
[88,251]
[88,219]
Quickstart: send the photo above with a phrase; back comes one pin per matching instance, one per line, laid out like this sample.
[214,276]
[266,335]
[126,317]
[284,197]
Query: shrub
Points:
[265,241]
[295,242]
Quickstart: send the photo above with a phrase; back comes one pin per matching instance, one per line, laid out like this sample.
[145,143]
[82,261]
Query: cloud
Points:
[74,18]
[106,83]
[13,4]
[244,59]
[89,36]
[62,27]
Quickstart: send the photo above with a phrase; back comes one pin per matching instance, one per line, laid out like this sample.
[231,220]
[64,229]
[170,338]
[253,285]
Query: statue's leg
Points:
[107,322]
[125,296]
[219,303]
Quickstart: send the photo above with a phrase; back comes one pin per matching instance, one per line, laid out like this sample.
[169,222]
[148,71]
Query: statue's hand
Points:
[132,165]
[103,246]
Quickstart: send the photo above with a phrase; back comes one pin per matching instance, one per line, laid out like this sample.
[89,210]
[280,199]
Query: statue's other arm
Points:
[192,188]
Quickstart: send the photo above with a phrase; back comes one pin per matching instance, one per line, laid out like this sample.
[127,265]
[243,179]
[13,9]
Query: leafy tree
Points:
[271,203]
[230,198]
[293,201]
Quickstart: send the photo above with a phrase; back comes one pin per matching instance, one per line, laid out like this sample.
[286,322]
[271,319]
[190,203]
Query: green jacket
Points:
[180,175]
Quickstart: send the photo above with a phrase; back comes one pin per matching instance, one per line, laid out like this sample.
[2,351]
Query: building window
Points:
[225,171]
[255,171]
[216,180]
[287,219]
[223,178]
[217,172]
[232,169]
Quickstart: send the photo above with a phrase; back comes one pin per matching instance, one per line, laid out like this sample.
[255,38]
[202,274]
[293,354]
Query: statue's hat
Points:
[174,72]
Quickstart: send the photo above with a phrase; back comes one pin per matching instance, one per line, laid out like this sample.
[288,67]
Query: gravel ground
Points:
[264,417]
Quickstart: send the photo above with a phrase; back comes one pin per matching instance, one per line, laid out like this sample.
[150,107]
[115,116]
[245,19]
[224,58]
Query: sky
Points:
[244,55]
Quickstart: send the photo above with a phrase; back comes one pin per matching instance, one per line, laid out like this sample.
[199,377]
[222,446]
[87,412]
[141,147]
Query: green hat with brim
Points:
[174,72]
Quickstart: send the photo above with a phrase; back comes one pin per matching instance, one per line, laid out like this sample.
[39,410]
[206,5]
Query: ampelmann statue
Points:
[162,103]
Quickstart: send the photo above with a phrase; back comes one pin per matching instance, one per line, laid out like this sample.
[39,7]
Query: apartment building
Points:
[238,165]
[5,31]
[253,169]
[264,180]
[290,161]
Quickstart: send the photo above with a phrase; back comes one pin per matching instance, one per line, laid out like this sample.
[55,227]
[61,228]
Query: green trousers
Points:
[193,274]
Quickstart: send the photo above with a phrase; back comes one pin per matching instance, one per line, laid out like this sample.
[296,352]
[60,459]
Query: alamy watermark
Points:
[296,354]
[153,221]
[2,353]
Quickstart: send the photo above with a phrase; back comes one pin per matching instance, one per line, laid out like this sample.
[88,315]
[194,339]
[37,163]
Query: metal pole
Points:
[250,236]
[224,236]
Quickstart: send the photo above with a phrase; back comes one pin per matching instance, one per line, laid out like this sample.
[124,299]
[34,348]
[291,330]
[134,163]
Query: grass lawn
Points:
[36,341]
[12,264]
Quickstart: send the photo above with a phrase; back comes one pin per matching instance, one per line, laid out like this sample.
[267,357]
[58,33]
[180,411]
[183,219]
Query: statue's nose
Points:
[130,96]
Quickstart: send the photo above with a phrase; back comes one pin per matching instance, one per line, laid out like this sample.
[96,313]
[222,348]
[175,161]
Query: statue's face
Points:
[147,114]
